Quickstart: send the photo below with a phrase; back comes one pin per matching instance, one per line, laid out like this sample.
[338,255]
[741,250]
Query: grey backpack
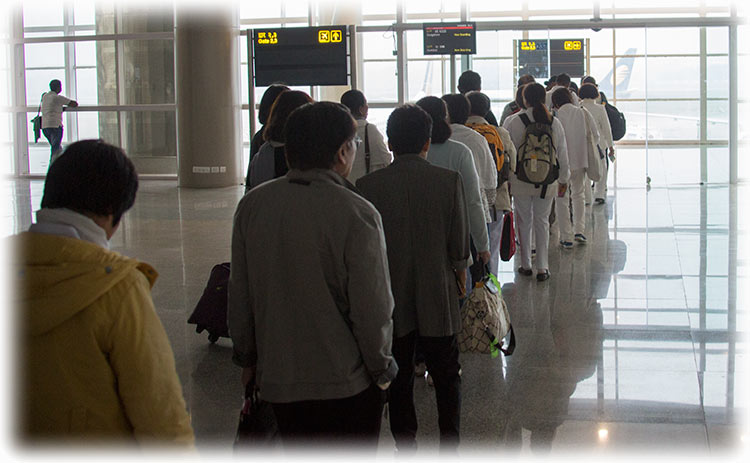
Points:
[537,157]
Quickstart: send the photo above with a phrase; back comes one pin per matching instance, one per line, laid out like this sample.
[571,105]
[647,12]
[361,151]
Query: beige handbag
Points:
[486,320]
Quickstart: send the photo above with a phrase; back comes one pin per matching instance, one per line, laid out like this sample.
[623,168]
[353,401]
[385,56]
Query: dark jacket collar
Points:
[306,177]
[408,158]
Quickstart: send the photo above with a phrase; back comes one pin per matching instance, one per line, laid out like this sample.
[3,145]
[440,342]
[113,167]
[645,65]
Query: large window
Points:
[672,83]
[125,85]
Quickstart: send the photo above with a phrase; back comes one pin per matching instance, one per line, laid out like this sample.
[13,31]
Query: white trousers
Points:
[533,212]
[600,188]
[576,192]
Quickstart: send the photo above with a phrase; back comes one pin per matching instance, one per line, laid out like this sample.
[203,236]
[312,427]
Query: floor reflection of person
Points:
[561,347]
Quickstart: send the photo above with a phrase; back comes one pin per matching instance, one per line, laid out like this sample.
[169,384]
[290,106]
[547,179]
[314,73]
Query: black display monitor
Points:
[450,38]
[533,58]
[567,55]
[301,56]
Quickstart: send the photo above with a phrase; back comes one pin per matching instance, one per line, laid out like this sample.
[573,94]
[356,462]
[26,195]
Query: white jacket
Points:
[484,162]
[572,119]
[602,122]
[517,129]
[548,101]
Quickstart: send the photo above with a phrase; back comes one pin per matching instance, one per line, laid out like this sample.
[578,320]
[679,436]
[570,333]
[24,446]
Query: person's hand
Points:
[461,282]
[484,256]
[561,189]
[612,154]
[248,375]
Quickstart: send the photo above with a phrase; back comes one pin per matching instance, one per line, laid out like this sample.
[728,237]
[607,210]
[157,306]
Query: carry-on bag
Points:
[508,237]
[485,320]
[257,427]
[210,313]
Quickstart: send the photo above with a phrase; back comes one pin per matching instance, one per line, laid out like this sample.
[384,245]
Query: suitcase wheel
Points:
[212,338]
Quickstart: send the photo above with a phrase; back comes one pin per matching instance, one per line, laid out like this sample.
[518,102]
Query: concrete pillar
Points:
[207,65]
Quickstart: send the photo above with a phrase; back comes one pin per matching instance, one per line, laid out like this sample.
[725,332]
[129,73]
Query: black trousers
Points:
[351,421]
[441,357]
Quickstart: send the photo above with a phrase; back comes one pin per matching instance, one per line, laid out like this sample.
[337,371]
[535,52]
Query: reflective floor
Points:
[635,344]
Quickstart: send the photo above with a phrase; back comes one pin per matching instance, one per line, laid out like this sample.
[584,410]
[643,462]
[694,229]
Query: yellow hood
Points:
[55,277]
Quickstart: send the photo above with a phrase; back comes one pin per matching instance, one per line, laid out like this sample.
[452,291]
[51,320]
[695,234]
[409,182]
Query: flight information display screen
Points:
[301,56]
[533,58]
[450,38]
[567,55]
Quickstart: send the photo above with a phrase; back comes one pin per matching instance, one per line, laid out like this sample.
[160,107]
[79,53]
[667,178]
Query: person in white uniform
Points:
[459,110]
[372,153]
[589,99]
[577,122]
[53,105]
[530,208]
[480,104]
[563,81]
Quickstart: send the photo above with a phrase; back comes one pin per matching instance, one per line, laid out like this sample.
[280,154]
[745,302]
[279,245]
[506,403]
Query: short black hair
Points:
[560,97]
[315,132]
[479,103]
[552,79]
[563,79]
[588,91]
[354,100]
[526,79]
[409,128]
[468,81]
[588,80]
[91,176]
[573,87]
[55,85]
[267,100]
[459,107]
[435,107]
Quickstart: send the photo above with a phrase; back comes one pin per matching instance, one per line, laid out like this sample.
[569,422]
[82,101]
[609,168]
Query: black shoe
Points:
[542,276]
[580,238]
[600,200]
[525,271]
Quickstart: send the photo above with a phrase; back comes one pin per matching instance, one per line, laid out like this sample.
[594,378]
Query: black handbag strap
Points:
[39,109]
[511,343]
[367,151]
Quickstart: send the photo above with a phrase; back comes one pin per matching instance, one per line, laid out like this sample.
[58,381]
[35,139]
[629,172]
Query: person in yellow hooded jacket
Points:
[95,362]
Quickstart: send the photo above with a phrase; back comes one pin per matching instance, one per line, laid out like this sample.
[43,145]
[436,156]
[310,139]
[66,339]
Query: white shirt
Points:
[480,150]
[573,121]
[379,155]
[602,122]
[517,129]
[52,109]
[548,101]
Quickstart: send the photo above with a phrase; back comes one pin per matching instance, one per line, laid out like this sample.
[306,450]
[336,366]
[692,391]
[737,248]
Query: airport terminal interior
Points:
[636,344]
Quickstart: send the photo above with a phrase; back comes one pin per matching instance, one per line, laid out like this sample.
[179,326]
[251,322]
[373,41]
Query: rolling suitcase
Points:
[210,313]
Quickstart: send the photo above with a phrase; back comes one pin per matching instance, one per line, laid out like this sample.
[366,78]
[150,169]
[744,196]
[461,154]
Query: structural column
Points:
[207,86]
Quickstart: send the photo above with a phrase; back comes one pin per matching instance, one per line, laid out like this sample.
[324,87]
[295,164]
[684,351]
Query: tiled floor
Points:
[636,344]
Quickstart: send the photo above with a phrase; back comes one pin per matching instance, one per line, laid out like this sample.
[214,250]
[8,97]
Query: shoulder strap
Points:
[525,119]
[39,109]
[367,150]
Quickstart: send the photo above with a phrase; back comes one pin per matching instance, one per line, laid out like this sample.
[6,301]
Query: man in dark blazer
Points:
[426,227]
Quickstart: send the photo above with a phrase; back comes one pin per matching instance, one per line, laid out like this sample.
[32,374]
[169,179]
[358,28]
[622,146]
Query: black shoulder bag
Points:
[37,122]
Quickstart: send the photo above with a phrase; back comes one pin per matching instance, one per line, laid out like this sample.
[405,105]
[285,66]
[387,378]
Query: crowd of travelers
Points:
[380,231]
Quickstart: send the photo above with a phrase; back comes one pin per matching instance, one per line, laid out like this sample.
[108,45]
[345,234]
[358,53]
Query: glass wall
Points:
[671,83]
[124,83]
